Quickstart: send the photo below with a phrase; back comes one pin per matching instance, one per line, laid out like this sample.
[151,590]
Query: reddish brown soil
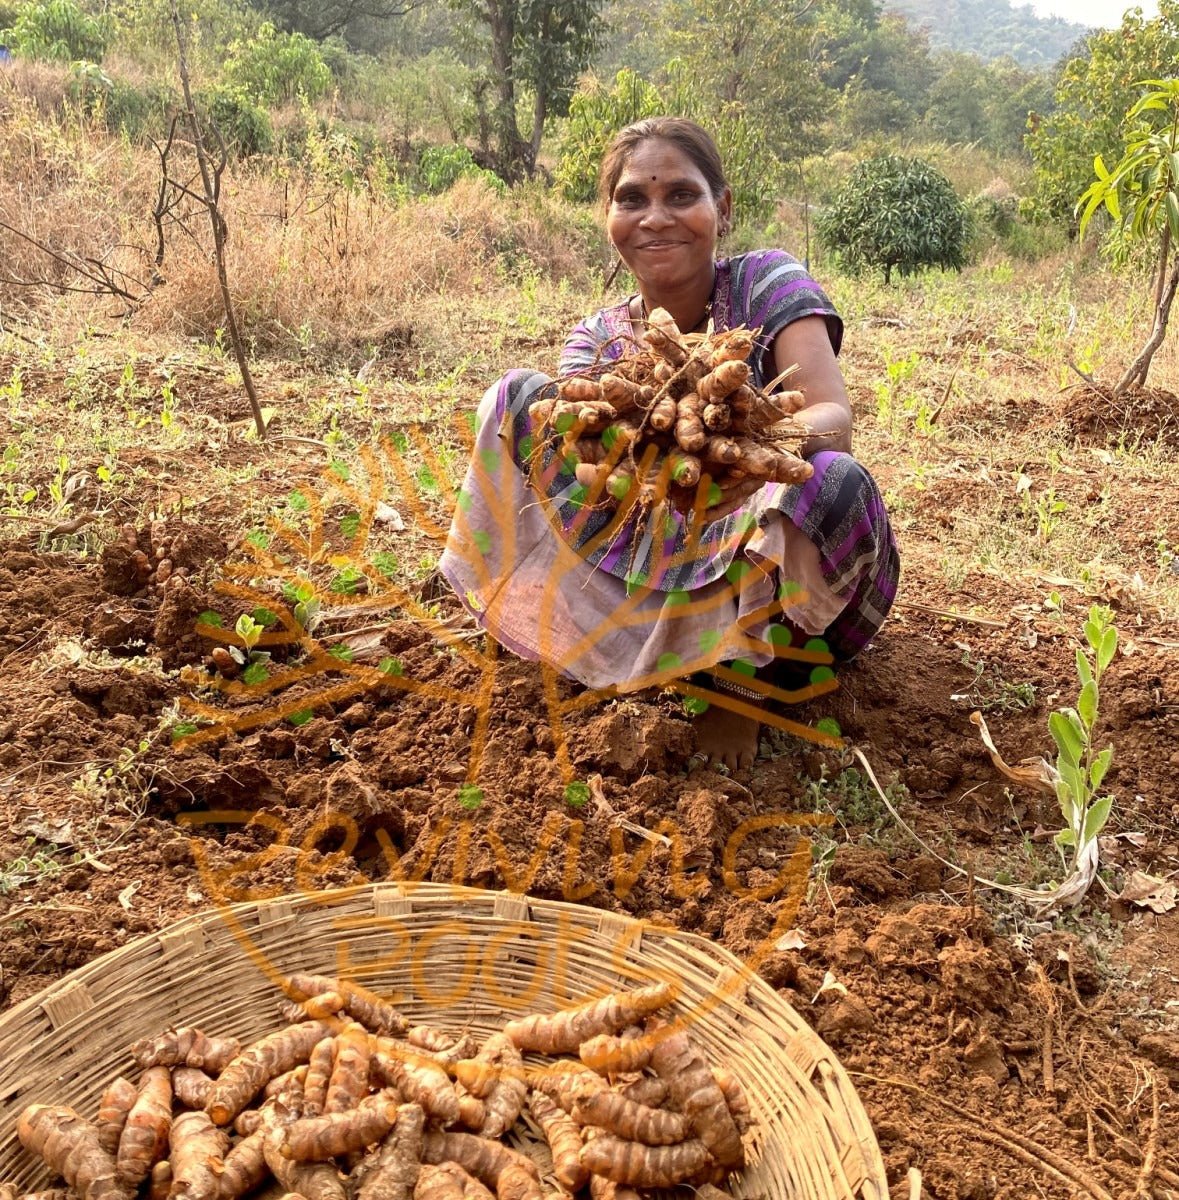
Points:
[1001,1055]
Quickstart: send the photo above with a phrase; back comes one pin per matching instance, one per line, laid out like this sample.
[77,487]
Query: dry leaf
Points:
[792,939]
[128,892]
[387,515]
[32,822]
[1034,772]
[1149,891]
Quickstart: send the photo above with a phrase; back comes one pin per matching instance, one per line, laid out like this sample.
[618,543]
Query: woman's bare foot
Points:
[726,738]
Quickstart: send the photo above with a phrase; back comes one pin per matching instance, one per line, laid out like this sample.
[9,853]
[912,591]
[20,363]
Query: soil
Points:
[1001,1054]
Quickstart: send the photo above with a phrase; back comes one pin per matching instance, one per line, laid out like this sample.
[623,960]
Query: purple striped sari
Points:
[839,511]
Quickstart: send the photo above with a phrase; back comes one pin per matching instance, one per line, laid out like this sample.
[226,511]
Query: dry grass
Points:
[313,264]
[60,187]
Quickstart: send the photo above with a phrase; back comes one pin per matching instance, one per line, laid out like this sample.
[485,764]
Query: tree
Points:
[753,59]
[320,19]
[896,212]
[879,64]
[1142,194]
[539,45]
[1094,90]
[58,30]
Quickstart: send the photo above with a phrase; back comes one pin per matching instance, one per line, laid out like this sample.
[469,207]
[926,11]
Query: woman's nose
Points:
[656,216]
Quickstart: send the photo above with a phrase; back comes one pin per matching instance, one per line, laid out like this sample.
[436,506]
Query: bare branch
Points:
[211,181]
[102,278]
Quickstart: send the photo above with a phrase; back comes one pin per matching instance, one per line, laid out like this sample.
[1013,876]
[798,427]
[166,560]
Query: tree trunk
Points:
[211,182]
[1141,365]
[502,19]
[541,107]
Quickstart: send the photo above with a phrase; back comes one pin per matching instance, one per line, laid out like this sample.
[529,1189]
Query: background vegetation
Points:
[370,142]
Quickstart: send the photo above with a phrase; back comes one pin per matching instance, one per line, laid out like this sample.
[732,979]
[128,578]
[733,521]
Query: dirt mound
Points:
[1092,412]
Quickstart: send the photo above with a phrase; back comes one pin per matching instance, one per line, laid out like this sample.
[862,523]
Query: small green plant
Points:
[1080,766]
[1077,776]
[990,692]
[27,868]
[303,596]
[255,663]
[888,390]
[850,797]
[1048,509]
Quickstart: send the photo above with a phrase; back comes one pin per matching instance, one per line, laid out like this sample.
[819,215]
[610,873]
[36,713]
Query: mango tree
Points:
[1142,195]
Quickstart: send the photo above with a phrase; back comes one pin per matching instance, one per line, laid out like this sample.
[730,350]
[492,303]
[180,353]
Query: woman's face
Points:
[663,218]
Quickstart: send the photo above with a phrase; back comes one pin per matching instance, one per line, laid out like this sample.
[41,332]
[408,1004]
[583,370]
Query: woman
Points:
[552,571]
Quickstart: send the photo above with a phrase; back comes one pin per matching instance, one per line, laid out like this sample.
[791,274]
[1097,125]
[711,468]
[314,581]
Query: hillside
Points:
[991,29]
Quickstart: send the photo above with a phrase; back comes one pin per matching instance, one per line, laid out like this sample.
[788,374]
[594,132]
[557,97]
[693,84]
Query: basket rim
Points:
[737,986]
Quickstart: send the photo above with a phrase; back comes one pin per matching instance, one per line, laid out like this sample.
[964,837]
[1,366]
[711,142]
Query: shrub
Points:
[275,68]
[243,124]
[896,212]
[440,167]
[138,112]
[57,30]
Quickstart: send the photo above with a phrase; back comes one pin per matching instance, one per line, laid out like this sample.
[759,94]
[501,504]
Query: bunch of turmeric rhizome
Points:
[347,1102]
[675,424]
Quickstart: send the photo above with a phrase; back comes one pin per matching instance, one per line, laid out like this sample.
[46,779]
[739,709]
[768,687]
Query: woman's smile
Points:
[664,221]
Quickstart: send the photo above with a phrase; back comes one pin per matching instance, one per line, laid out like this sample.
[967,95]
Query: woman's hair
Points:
[695,142]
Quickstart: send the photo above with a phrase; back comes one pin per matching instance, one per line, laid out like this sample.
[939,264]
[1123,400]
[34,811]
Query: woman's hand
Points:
[732,495]
[828,411]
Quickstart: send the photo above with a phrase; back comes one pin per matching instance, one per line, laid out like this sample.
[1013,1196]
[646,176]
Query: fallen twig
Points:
[965,618]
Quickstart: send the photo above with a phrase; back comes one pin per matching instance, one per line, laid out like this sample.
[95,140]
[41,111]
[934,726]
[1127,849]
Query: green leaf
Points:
[1087,703]
[209,617]
[1064,797]
[1096,818]
[1173,215]
[390,666]
[1084,668]
[1099,168]
[1064,838]
[1074,780]
[1068,741]
[301,717]
[470,796]
[1099,766]
[1107,649]
[577,793]
[256,672]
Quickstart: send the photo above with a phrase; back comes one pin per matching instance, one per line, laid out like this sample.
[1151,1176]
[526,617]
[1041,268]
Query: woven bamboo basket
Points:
[457,958]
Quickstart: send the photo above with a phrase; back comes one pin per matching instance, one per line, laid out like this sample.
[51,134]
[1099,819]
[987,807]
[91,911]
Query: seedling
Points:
[253,661]
[1080,769]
